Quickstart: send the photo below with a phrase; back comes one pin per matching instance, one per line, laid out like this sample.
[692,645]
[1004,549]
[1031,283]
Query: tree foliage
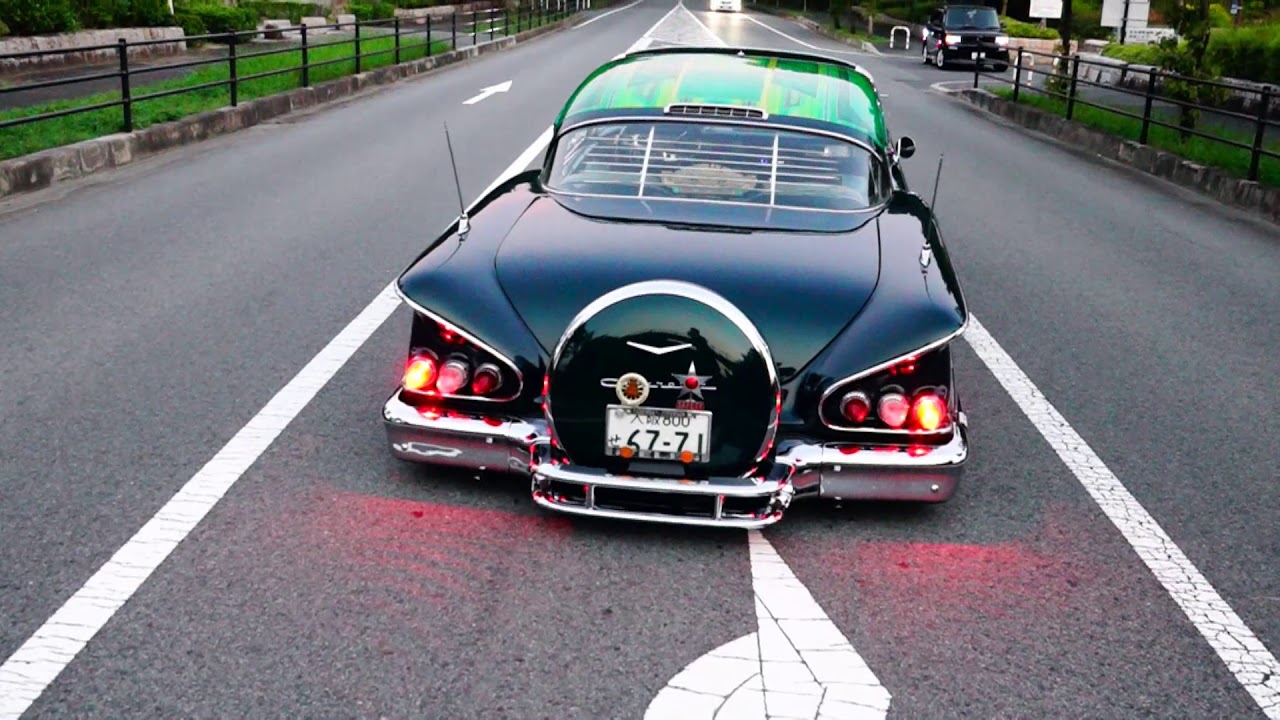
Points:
[1188,60]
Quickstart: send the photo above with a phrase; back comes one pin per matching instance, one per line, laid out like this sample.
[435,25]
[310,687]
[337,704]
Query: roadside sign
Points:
[1113,13]
[1048,9]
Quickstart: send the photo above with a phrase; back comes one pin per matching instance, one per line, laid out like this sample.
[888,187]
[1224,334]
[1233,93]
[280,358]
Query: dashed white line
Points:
[796,665]
[604,15]
[1251,663]
[39,661]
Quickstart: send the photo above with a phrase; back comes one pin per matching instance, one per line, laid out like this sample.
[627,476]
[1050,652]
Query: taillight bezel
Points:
[925,370]
[465,346]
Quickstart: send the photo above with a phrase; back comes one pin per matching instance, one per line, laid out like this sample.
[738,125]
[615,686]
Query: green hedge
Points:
[1136,53]
[1019,29]
[275,10]
[1247,53]
[33,17]
[218,19]
[372,11]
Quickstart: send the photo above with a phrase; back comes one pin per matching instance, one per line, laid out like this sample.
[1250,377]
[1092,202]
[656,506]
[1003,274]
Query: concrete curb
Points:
[46,168]
[822,30]
[1208,181]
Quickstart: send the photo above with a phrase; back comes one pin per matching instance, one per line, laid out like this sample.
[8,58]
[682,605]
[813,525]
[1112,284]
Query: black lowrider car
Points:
[965,33]
[716,295]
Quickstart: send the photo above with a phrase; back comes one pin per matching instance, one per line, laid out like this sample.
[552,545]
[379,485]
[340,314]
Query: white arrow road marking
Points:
[486,92]
[796,665]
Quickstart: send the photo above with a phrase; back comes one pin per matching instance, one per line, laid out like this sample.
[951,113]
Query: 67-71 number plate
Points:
[657,433]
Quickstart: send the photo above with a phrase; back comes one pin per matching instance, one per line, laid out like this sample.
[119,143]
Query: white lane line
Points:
[798,41]
[646,39]
[604,15]
[1252,664]
[714,38]
[796,665]
[39,661]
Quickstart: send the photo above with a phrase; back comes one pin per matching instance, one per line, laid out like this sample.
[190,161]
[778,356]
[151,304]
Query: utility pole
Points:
[1124,22]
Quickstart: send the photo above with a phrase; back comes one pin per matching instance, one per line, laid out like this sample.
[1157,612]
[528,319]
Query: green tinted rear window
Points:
[785,87]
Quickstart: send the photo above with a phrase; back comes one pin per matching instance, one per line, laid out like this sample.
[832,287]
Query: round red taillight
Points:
[486,380]
[893,409]
[928,412]
[855,406]
[420,373]
[453,376]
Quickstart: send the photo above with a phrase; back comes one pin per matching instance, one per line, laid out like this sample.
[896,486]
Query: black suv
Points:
[966,33]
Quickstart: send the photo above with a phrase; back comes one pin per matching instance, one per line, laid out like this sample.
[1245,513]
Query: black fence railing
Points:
[400,39]
[1139,104]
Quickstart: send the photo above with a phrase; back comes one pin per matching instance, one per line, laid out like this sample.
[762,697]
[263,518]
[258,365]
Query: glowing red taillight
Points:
[486,380]
[453,376]
[893,409]
[855,406]
[928,412]
[420,373]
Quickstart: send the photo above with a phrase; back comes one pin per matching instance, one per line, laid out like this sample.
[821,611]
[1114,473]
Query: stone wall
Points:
[420,15]
[85,39]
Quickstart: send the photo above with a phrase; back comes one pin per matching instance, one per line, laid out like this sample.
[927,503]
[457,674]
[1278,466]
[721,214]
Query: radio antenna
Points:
[934,200]
[464,225]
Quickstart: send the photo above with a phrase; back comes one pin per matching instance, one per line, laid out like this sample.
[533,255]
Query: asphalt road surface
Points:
[150,314]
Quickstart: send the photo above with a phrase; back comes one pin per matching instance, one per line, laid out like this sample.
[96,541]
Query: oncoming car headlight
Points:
[951,39]
[1002,40]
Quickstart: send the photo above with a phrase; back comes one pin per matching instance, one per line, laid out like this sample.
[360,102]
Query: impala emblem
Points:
[658,350]
[632,389]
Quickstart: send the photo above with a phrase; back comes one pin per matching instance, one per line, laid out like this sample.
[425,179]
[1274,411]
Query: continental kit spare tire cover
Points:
[693,349]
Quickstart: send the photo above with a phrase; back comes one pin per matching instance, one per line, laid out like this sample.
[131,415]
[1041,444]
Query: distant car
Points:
[726,5]
[968,34]
[715,295]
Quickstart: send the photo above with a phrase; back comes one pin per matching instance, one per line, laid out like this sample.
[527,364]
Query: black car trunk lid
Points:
[800,289]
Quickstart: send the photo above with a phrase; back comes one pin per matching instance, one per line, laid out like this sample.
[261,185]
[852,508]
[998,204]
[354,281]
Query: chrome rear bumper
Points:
[801,468]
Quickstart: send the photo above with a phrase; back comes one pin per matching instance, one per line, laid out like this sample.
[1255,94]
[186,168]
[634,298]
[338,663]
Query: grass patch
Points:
[1196,149]
[34,137]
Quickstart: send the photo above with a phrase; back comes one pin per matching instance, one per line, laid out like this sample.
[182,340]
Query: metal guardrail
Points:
[1024,62]
[476,23]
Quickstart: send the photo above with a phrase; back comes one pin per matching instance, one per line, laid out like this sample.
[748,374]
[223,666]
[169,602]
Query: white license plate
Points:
[657,433]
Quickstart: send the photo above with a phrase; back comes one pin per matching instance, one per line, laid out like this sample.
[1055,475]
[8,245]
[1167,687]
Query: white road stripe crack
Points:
[1244,655]
[796,665]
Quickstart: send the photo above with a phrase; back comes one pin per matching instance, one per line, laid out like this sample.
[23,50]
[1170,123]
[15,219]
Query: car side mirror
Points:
[906,148]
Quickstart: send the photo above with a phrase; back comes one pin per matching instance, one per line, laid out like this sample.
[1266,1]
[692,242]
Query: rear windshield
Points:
[972,18]
[716,163]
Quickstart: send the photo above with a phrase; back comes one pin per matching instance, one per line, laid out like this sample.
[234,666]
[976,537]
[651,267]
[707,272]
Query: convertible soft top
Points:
[784,88]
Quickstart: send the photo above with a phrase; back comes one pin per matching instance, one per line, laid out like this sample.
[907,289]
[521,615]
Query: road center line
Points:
[39,661]
[1245,656]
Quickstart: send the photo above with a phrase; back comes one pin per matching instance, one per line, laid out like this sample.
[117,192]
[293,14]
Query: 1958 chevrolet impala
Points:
[716,296]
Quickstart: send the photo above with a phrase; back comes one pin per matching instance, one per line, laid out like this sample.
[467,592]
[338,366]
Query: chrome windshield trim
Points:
[839,384]
[474,340]
[697,293]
